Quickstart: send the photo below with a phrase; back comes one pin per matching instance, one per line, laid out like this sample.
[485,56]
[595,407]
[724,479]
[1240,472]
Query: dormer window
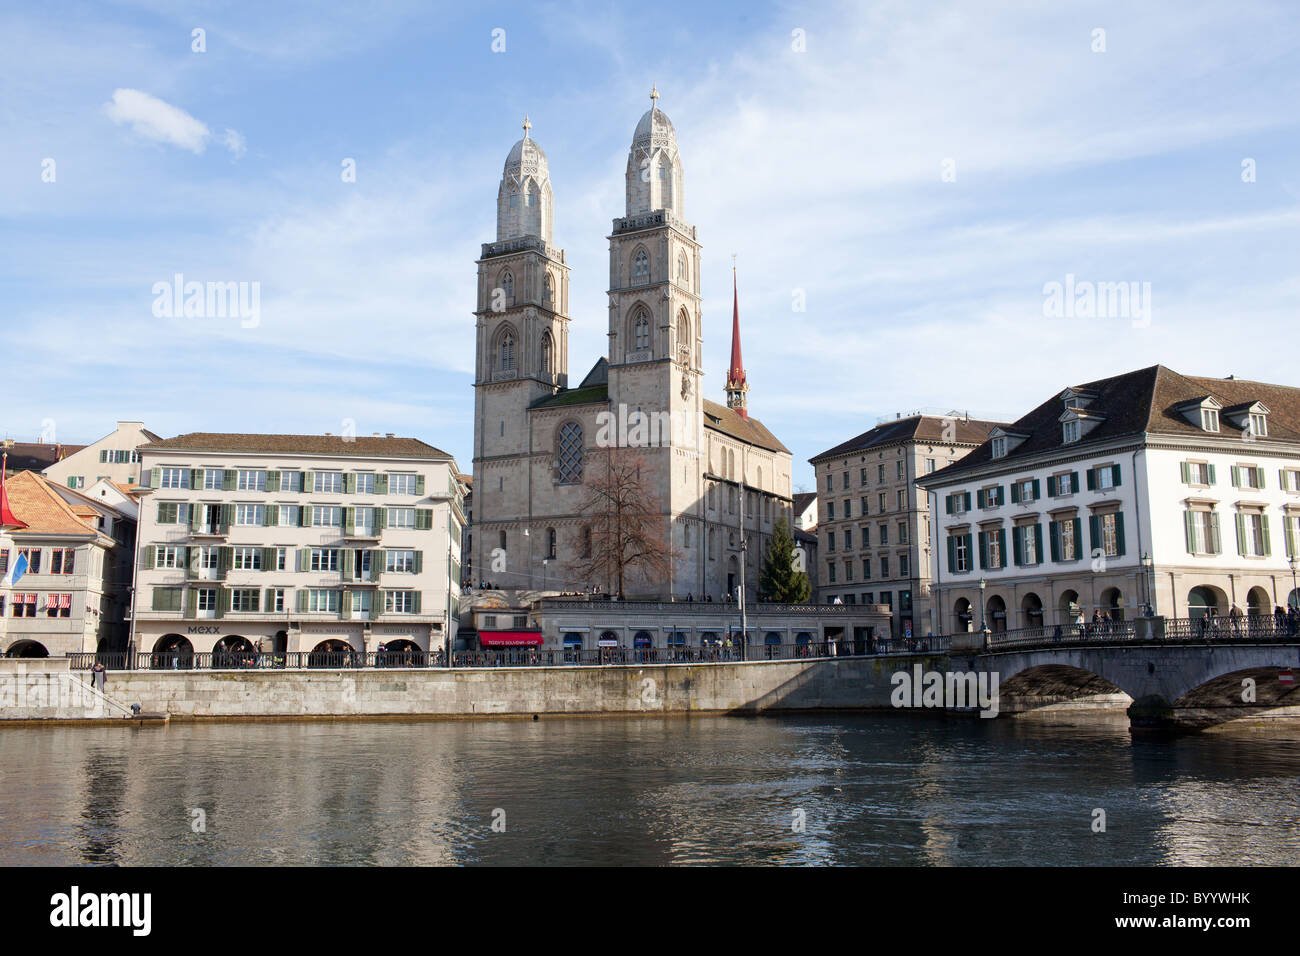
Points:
[1258,424]
[1209,419]
[1070,431]
[999,447]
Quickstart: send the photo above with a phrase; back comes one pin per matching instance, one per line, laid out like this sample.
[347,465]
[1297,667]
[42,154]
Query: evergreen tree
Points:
[779,580]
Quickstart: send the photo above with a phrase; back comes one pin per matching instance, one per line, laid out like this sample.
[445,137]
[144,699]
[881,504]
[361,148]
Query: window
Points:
[1198,473]
[844,481]
[58,605]
[291,515]
[546,348]
[250,514]
[830,571]
[999,448]
[929,465]
[848,508]
[33,559]
[1025,543]
[399,602]
[848,539]
[1257,425]
[62,560]
[361,569]
[403,518]
[324,559]
[992,541]
[865,503]
[400,562]
[830,511]
[902,499]
[848,570]
[883,506]
[275,600]
[251,481]
[247,559]
[683,274]
[550,540]
[1070,432]
[76,481]
[683,340]
[402,484]
[212,479]
[866,536]
[207,599]
[291,481]
[959,552]
[1209,419]
[362,603]
[174,478]
[866,572]
[1252,535]
[902,532]
[1104,478]
[902,469]
[321,601]
[1108,534]
[880,474]
[167,557]
[903,565]
[884,566]
[326,516]
[508,286]
[282,559]
[640,267]
[569,455]
[1025,491]
[244,599]
[210,559]
[862,477]
[1065,539]
[328,482]
[641,331]
[365,482]
[830,541]
[1247,477]
[24,605]
[1202,529]
[884,534]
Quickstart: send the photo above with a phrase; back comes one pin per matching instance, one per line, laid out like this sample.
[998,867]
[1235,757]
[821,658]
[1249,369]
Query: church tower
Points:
[654,287]
[522,341]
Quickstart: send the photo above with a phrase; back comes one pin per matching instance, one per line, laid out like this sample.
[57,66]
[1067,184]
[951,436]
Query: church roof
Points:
[655,124]
[750,430]
[582,395]
[599,374]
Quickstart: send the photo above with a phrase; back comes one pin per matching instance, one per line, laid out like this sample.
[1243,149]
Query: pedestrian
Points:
[97,675]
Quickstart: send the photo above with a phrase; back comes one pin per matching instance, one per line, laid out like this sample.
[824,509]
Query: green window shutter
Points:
[192,558]
[381,483]
[345,605]
[1241,534]
[417,599]
[419,561]
[304,559]
[272,515]
[158,600]
[223,601]
[193,516]
[1268,543]
[349,521]
[1094,532]
[1051,486]
[228,477]
[952,553]
[1054,536]
[423,519]
[272,481]
[225,558]
[1074,481]
[1092,479]
[1281,479]
[155,477]
[1259,475]
[349,483]
[970,544]
[1189,529]
[1119,534]
[304,516]
[984,550]
[1236,477]
[160,514]
[376,564]
[268,600]
[1017,547]
[381,519]
[1036,486]
[1002,547]
[227,517]
[1185,469]
[1038,542]
[196,478]
[1288,533]
[419,484]
[966,500]
[1078,538]
[947,500]
[1216,543]
[1211,475]
[148,559]
[1015,494]
[191,601]
[1115,476]
[302,599]
[981,498]
[309,481]
[268,559]
[349,556]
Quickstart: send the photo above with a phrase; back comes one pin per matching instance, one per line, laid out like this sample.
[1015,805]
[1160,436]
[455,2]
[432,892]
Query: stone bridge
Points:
[1168,684]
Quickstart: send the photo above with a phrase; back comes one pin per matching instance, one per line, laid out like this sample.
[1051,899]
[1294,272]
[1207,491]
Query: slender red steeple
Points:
[736,384]
[7,518]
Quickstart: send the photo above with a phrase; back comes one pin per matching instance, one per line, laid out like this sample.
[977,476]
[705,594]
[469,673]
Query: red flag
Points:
[7,518]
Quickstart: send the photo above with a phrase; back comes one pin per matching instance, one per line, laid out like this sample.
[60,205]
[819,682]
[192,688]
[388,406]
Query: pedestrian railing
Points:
[1249,629]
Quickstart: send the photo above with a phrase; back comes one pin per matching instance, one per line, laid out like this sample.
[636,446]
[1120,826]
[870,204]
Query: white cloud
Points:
[234,141]
[153,119]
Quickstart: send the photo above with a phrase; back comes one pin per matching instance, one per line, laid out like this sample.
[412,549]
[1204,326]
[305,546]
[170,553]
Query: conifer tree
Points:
[780,580]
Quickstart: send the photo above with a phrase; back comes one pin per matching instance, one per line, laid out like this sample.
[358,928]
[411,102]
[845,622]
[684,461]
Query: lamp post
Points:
[984,622]
[1147,565]
[1292,562]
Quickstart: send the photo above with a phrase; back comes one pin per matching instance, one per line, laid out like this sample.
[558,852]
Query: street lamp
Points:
[984,623]
[1148,563]
[1296,597]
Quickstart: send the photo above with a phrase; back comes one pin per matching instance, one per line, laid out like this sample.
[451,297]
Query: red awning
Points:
[510,638]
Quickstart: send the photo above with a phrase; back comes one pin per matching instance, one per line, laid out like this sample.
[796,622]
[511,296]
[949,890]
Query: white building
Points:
[115,457]
[297,543]
[1147,488]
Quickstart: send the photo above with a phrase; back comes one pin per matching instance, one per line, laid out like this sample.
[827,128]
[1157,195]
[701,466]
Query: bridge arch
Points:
[1043,685]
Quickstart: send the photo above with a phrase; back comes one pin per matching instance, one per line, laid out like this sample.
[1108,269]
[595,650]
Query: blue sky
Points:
[822,169]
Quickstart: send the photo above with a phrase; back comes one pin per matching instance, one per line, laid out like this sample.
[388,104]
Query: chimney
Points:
[389,435]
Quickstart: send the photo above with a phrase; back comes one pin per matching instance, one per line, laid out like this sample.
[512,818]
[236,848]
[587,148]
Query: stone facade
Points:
[711,467]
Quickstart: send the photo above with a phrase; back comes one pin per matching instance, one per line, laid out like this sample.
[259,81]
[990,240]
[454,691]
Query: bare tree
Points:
[627,530]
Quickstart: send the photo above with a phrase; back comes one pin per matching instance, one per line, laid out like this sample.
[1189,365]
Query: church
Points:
[717,476]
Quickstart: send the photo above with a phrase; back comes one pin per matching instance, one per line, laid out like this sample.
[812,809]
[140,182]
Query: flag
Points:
[16,570]
[7,517]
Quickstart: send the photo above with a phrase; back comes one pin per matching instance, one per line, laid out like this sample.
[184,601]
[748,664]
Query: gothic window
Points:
[640,267]
[683,274]
[683,340]
[641,330]
[569,453]
[546,354]
[550,542]
[586,542]
[528,196]
[508,287]
[507,352]
[548,292]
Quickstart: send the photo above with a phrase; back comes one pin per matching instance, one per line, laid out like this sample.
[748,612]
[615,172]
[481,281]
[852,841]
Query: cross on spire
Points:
[527,126]
[654,97]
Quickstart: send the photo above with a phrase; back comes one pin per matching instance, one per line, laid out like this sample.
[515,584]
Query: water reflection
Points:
[845,790]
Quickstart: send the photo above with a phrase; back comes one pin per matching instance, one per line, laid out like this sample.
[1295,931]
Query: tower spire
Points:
[736,385]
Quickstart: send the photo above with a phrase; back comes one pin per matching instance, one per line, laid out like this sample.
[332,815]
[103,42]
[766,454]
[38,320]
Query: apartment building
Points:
[297,543]
[65,570]
[1148,489]
[872,523]
[114,457]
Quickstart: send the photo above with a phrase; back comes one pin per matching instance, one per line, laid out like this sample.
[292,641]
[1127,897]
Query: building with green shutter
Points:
[1148,492]
[296,543]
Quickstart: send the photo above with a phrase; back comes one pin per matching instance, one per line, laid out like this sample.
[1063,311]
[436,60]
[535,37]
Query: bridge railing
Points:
[1248,628]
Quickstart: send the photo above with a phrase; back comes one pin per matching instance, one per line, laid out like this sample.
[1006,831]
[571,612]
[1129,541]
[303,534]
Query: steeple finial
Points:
[527,125]
[654,97]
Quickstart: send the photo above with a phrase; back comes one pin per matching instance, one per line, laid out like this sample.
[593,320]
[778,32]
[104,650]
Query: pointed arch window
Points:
[508,287]
[683,340]
[641,330]
[547,357]
[640,267]
[548,292]
[569,454]
[507,352]
[683,272]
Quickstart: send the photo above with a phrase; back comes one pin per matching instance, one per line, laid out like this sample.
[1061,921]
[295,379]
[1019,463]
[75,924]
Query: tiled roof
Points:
[1142,401]
[920,428]
[34,501]
[807,537]
[731,423]
[335,446]
[37,456]
[802,500]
